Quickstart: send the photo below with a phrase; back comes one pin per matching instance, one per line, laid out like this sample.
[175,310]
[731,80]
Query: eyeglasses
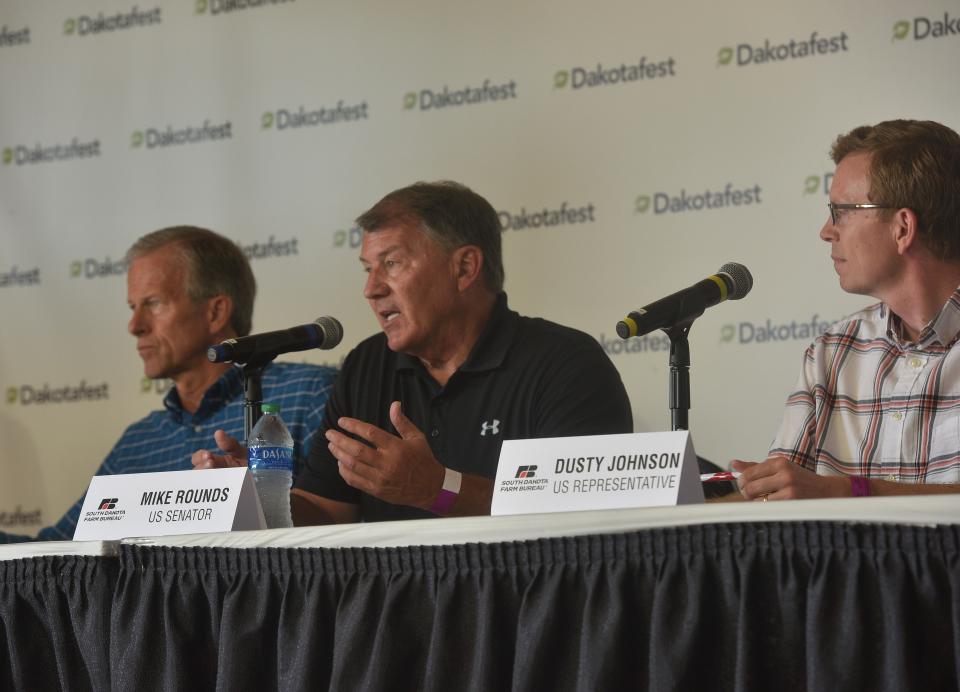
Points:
[835,207]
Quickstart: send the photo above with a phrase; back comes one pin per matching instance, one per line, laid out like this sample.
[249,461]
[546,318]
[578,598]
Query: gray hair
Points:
[215,266]
[450,214]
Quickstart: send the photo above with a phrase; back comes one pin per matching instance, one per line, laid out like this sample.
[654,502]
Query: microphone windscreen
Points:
[332,332]
[740,277]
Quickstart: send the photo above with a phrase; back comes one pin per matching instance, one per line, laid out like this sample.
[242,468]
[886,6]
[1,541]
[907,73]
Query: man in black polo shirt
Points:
[420,410]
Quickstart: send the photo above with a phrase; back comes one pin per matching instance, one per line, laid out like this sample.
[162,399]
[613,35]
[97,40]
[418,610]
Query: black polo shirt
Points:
[524,378]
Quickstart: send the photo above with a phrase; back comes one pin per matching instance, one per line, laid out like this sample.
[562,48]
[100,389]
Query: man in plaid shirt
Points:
[877,407]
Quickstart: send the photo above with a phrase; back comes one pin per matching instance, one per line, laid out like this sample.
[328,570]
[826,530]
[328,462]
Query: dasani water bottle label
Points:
[270,458]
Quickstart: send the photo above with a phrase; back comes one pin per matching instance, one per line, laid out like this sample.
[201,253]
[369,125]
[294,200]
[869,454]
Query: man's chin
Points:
[154,372]
[395,344]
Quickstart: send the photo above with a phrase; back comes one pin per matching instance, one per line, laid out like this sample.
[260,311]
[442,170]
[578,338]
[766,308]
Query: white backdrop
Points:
[108,83]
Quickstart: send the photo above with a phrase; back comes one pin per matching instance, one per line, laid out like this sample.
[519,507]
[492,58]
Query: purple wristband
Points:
[860,486]
[443,503]
[448,493]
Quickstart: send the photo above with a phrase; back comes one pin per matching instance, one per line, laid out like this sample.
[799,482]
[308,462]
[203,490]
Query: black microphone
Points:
[323,332]
[732,281]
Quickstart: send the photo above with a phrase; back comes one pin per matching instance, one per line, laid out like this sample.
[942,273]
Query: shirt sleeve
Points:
[583,394]
[796,438]
[320,474]
[302,392]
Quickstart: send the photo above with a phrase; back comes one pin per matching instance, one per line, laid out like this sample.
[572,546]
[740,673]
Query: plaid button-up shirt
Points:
[870,404]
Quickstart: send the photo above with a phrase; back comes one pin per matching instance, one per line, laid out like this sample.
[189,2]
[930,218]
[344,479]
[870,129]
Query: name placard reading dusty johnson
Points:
[564,474]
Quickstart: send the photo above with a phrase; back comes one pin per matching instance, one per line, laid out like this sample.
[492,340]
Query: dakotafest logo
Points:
[348,239]
[427,99]
[640,71]
[283,119]
[677,203]
[19,277]
[926,27]
[812,184]
[271,248]
[161,386]
[175,136]
[19,517]
[14,37]
[92,268]
[771,332]
[28,395]
[564,215]
[648,343]
[815,44]
[22,154]
[216,7]
[85,25]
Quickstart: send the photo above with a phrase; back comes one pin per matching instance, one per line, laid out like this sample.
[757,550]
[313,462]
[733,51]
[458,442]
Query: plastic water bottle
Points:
[270,460]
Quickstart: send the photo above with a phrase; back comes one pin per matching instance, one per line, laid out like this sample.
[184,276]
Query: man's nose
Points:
[828,232]
[374,287]
[137,323]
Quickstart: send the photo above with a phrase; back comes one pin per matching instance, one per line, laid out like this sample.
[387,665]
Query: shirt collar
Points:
[944,328]
[492,346]
[226,388]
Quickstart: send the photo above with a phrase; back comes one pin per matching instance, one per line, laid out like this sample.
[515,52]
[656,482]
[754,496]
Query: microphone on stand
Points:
[323,333]
[731,282]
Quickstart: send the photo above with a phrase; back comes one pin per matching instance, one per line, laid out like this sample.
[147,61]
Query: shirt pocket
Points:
[943,462]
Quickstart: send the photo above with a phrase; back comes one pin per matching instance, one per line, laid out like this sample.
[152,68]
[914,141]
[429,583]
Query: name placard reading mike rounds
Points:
[164,504]
[565,474]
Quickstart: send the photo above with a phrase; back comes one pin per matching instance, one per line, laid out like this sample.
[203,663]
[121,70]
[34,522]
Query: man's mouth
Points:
[389,316]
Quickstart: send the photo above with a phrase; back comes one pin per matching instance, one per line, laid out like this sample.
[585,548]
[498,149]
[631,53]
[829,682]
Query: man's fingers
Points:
[228,444]
[404,425]
[367,431]
[347,449]
[201,459]
[352,475]
[205,459]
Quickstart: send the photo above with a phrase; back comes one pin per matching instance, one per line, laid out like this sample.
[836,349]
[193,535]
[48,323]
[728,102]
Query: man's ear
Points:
[904,228]
[219,312]
[467,262]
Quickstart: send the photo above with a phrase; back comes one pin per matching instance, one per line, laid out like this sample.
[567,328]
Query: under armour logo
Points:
[492,427]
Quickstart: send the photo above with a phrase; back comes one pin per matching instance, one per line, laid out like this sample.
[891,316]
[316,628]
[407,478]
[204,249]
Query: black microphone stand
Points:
[251,372]
[679,375]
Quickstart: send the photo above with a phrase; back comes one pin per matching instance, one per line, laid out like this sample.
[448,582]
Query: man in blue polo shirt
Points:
[188,288]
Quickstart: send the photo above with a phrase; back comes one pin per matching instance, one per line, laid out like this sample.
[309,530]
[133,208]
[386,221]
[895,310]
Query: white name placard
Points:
[565,474]
[164,504]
